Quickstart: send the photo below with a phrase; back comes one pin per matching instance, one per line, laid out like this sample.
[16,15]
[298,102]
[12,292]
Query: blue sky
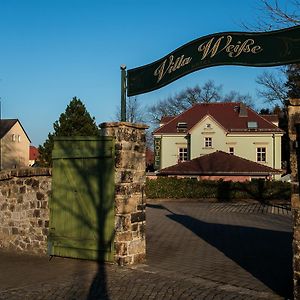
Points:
[52,50]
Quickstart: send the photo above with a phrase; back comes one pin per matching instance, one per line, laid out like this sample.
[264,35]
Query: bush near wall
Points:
[261,190]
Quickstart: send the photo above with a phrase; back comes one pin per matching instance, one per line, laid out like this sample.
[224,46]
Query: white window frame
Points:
[13,137]
[261,154]
[19,138]
[182,154]
[208,142]
[231,150]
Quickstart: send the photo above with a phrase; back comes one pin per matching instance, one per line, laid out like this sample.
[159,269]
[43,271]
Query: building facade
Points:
[14,144]
[229,127]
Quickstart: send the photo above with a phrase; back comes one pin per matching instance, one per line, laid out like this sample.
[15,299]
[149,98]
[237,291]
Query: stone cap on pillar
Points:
[293,102]
[123,124]
[124,131]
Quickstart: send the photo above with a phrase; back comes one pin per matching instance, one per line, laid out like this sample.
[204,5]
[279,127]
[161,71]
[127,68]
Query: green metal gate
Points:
[82,201]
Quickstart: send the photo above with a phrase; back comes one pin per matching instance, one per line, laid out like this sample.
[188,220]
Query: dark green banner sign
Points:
[262,49]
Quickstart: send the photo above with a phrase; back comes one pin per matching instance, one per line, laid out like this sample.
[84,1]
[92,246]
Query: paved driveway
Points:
[195,251]
[243,245]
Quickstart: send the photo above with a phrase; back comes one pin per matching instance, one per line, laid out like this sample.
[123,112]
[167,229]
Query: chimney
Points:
[243,110]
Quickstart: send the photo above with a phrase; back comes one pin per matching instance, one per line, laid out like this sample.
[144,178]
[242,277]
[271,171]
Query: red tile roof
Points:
[271,118]
[33,153]
[226,114]
[219,163]
[166,119]
[7,124]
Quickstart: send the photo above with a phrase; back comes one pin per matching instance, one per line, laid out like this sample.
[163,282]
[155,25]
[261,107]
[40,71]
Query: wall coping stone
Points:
[294,102]
[127,124]
[24,172]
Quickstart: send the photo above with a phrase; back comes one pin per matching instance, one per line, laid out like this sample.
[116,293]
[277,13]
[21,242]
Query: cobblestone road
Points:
[195,251]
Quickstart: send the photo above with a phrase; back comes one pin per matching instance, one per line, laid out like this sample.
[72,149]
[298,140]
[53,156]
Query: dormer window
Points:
[252,125]
[181,127]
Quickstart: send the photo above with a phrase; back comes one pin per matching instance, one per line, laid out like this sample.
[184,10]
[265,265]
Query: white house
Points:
[228,127]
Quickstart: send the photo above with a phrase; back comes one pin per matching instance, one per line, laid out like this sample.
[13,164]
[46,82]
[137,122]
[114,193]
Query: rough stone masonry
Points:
[24,214]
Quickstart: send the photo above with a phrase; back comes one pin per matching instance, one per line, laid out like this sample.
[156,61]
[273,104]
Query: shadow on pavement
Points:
[98,288]
[266,254]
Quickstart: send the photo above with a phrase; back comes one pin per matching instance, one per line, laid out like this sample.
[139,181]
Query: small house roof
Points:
[7,124]
[219,163]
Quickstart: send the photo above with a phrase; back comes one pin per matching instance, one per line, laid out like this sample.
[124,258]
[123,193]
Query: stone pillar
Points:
[130,176]
[293,119]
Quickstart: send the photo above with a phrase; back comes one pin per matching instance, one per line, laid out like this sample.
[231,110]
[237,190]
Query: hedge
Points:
[259,189]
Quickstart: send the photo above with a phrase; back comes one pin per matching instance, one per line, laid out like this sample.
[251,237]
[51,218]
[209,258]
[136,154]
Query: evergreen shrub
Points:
[259,189]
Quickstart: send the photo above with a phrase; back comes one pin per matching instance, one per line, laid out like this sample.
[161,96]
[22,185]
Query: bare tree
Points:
[274,90]
[180,102]
[275,15]
[234,96]
[134,111]
[209,92]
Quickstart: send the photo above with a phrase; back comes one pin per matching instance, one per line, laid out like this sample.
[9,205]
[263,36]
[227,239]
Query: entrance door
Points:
[82,202]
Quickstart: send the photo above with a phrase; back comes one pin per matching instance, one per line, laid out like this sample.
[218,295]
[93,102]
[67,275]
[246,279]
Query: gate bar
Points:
[123,93]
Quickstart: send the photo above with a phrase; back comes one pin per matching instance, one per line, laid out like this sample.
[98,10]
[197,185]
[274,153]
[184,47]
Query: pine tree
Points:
[74,121]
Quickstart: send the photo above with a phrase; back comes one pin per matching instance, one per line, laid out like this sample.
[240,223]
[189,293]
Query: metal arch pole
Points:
[123,93]
[0,137]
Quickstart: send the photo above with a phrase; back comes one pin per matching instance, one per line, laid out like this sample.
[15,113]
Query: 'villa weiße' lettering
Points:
[208,49]
[212,47]
[170,65]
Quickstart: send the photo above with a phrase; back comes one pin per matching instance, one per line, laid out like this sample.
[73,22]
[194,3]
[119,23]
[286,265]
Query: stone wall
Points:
[130,149]
[24,195]
[24,214]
